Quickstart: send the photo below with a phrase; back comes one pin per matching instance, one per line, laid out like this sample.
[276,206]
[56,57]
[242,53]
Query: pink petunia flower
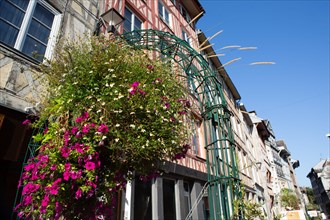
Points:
[84,115]
[74,130]
[90,165]
[26,122]
[67,166]
[85,129]
[135,84]
[78,193]
[150,67]
[103,129]
[79,120]
[30,188]
[53,167]
[65,152]
[66,175]
[142,92]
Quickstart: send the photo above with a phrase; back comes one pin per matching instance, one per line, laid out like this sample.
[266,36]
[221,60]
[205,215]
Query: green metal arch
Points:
[223,176]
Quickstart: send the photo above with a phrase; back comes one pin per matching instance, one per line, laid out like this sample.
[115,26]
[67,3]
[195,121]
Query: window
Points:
[186,198]
[185,37]
[132,22]
[195,136]
[163,13]
[169,199]
[142,200]
[184,13]
[29,26]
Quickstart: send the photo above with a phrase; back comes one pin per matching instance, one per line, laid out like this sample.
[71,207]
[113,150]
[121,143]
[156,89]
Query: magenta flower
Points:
[84,115]
[85,129]
[66,175]
[26,122]
[132,90]
[79,120]
[53,167]
[74,130]
[27,200]
[29,167]
[90,165]
[182,112]
[30,188]
[67,166]
[150,67]
[78,193]
[79,148]
[142,92]
[76,174]
[167,105]
[135,84]
[65,152]
[45,201]
[103,129]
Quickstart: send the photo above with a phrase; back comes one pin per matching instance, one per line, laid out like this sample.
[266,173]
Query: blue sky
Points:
[293,93]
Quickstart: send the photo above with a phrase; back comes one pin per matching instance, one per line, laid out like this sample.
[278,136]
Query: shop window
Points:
[169,199]
[163,13]
[142,200]
[131,22]
[29,26]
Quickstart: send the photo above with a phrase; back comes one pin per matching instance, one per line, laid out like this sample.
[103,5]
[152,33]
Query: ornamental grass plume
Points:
[106,117]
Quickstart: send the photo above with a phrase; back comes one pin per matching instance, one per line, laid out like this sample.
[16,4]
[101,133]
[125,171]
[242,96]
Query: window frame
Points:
[162,13]
[133,18]
[186,37]
[184,13]
[24,27]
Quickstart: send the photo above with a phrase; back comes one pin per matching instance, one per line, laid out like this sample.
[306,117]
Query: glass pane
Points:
[39,31]
[169,199]
[20,3]
[11,13]
[43,15]
[142,200]
[33,48]
[127,26]
[138,24]
[8,33]
[167,17]
[128,15]
[160,9]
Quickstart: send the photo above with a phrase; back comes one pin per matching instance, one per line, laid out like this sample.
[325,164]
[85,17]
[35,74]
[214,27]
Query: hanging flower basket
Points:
[111,111]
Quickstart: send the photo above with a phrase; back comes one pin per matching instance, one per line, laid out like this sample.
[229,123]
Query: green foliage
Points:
[311,198]
[110,111]
[288,198]
[247,208]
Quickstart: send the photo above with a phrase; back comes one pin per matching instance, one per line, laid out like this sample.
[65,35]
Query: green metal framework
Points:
[223,176]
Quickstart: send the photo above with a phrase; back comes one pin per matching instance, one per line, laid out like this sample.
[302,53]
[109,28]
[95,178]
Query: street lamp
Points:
[110,19]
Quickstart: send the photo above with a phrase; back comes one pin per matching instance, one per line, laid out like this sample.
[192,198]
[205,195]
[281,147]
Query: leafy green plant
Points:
[289,199]
[249,209]
[110,111]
